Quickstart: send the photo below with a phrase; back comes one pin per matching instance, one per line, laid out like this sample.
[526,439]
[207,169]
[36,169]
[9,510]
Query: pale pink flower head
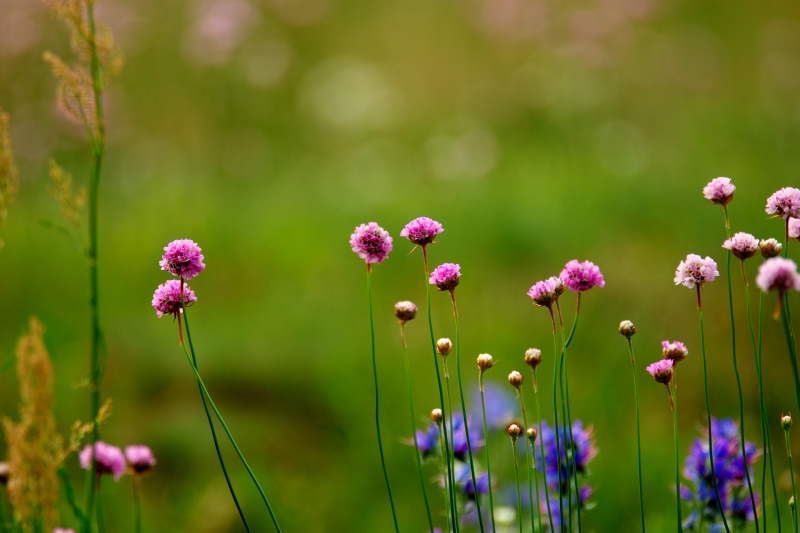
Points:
[62,530]
[167,298]
[405,311]
[742,245]
[661,371]
[778,274]
[719,191]
[784,203]
[794,228]
[371,242]
[446,276]
[109,459]
[182,258]
[770,248]
[696,271]
[140,458]
[546,292]
[581,277]
[421,231]
[674,351]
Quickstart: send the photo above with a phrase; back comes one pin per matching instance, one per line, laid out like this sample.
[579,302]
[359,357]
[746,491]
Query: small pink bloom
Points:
[794,228]
[696,271]
[784,203]
[545,293]
[421,231]
[109,459]
[674,351]
[371,242]
[167,298]
[661,371]
[778,274]
[446,276]
[581,277]
[182,258]
[742,245]
[719,191]
[140,458]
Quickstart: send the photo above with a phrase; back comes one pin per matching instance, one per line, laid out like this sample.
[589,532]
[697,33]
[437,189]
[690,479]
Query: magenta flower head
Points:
[545,293]
[405,311]
[742,245]
[719,191]
[696,271]
[661,371]
[109,459]
[778,274]
[371,242]
[421,231]
[140,458]
[167,298]
[794,228]
[446,276]
[785,203]
[581,277]
[674,351]
[182,258]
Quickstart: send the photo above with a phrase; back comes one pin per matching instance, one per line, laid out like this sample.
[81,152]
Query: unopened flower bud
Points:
[770,248]
[5,470]
[627,329]
[791,503]
[514,431]
[532,433]
[485,362]
[436,416]
[405,311]
[516,379]
[533,356]
[444,347]
[786,421]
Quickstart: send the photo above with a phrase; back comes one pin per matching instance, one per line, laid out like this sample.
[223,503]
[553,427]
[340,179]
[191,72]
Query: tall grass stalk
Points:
[674,404]
[451,456]
[788,329]
[764,416]
[137,503]
[793,500]
[527,456]
[555,422]
[638,431]
[573,471]
[541,450]
[486,446]
[516,477]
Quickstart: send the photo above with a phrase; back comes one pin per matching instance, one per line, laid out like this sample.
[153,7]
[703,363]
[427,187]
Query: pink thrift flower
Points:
[674,351]
[421,231]
[446,276]
[794,228]
[778,274]
[371,242]
[109,459]
[719,191]
[785,203]
[661,371]
[182,258]
[581,277]
[140,458]
[167,298]
[696,271]
[742,245]
[770,248]
[545,293]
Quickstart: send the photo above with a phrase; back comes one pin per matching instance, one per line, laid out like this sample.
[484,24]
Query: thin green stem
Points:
[541,450]
[674,401]
[568,446]
[638,431]
[3,523]
[185,317]
[451,457]
[764,416]
[573,467]
[230,438]
[464,414]
[486,446]
[555,423]
[414,427]
[101,526]
[527,455]
[708,413]
[791,472]
[137,503]
[516,477]
[377,400]
[788,328]
[445,477]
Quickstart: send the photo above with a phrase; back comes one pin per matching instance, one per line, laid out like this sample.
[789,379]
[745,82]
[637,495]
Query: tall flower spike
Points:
[421,231]
[696,271]
[371,242]
[182,258]
[770,248]
[674,351]
[545,293]
[405,311]
[778,274]
[794,228]
[109,459]
[784,203]
[719,191]
[583,276]
[742,245]
[446,276]
[167,298]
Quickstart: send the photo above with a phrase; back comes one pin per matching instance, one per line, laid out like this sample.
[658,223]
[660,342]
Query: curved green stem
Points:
[516,477]
[573,468]
[445,477]
[527,455]
[674,401]
[555,424]
[788,329]
[541,450]
[791,472]
[638,431]
[451,457]
[486,446]
[764,416]
[101,525]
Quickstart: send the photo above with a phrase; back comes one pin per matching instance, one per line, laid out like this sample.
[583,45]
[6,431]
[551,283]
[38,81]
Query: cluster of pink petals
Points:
[581,277]
[674,351]
[109,459]
[446,276]
[770,248]
[778,274]
[696,271]
[546,292]
[794,228]
[182,258]
[661,370]
[742,245]
[785,203]
[719,191]
[371,242]
[140,458]
[167,298]
[422,230]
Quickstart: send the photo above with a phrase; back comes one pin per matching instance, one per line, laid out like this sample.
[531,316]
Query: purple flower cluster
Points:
[784,203]
[182,258]
[661,370]
[778,274]
[446,276]
[371,242]
[421,231]
[167,298]
[696,271]
[719,191]
[794,228]
[730,474]
[110,459]
[545,293]
[428,440]
[464,482]
[675,351]
[742,245]
[581,277]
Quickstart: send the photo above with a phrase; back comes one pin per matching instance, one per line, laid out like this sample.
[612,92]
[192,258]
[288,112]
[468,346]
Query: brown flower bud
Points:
[532,434]
[436,416]
[516,379]
[485,362]
[444,347]
[533,356]
[514,431]
[627,329]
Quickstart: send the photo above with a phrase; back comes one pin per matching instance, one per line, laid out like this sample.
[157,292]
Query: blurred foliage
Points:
[535,131]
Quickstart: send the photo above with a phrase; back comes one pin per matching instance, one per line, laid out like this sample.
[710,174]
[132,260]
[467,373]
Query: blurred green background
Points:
[536,131]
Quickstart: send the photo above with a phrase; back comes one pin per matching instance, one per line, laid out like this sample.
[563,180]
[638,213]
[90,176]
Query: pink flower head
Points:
[742,245]
[446,276]
[778,274]
[140,458]
[422,230]
[62,530]
[661,371]
[785,203]
[696,271]
[546,292]
[794,228]
[182,258]
[109,459]
[581,277]
[674,351]
[167,298]
[719,191]
[371,242]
